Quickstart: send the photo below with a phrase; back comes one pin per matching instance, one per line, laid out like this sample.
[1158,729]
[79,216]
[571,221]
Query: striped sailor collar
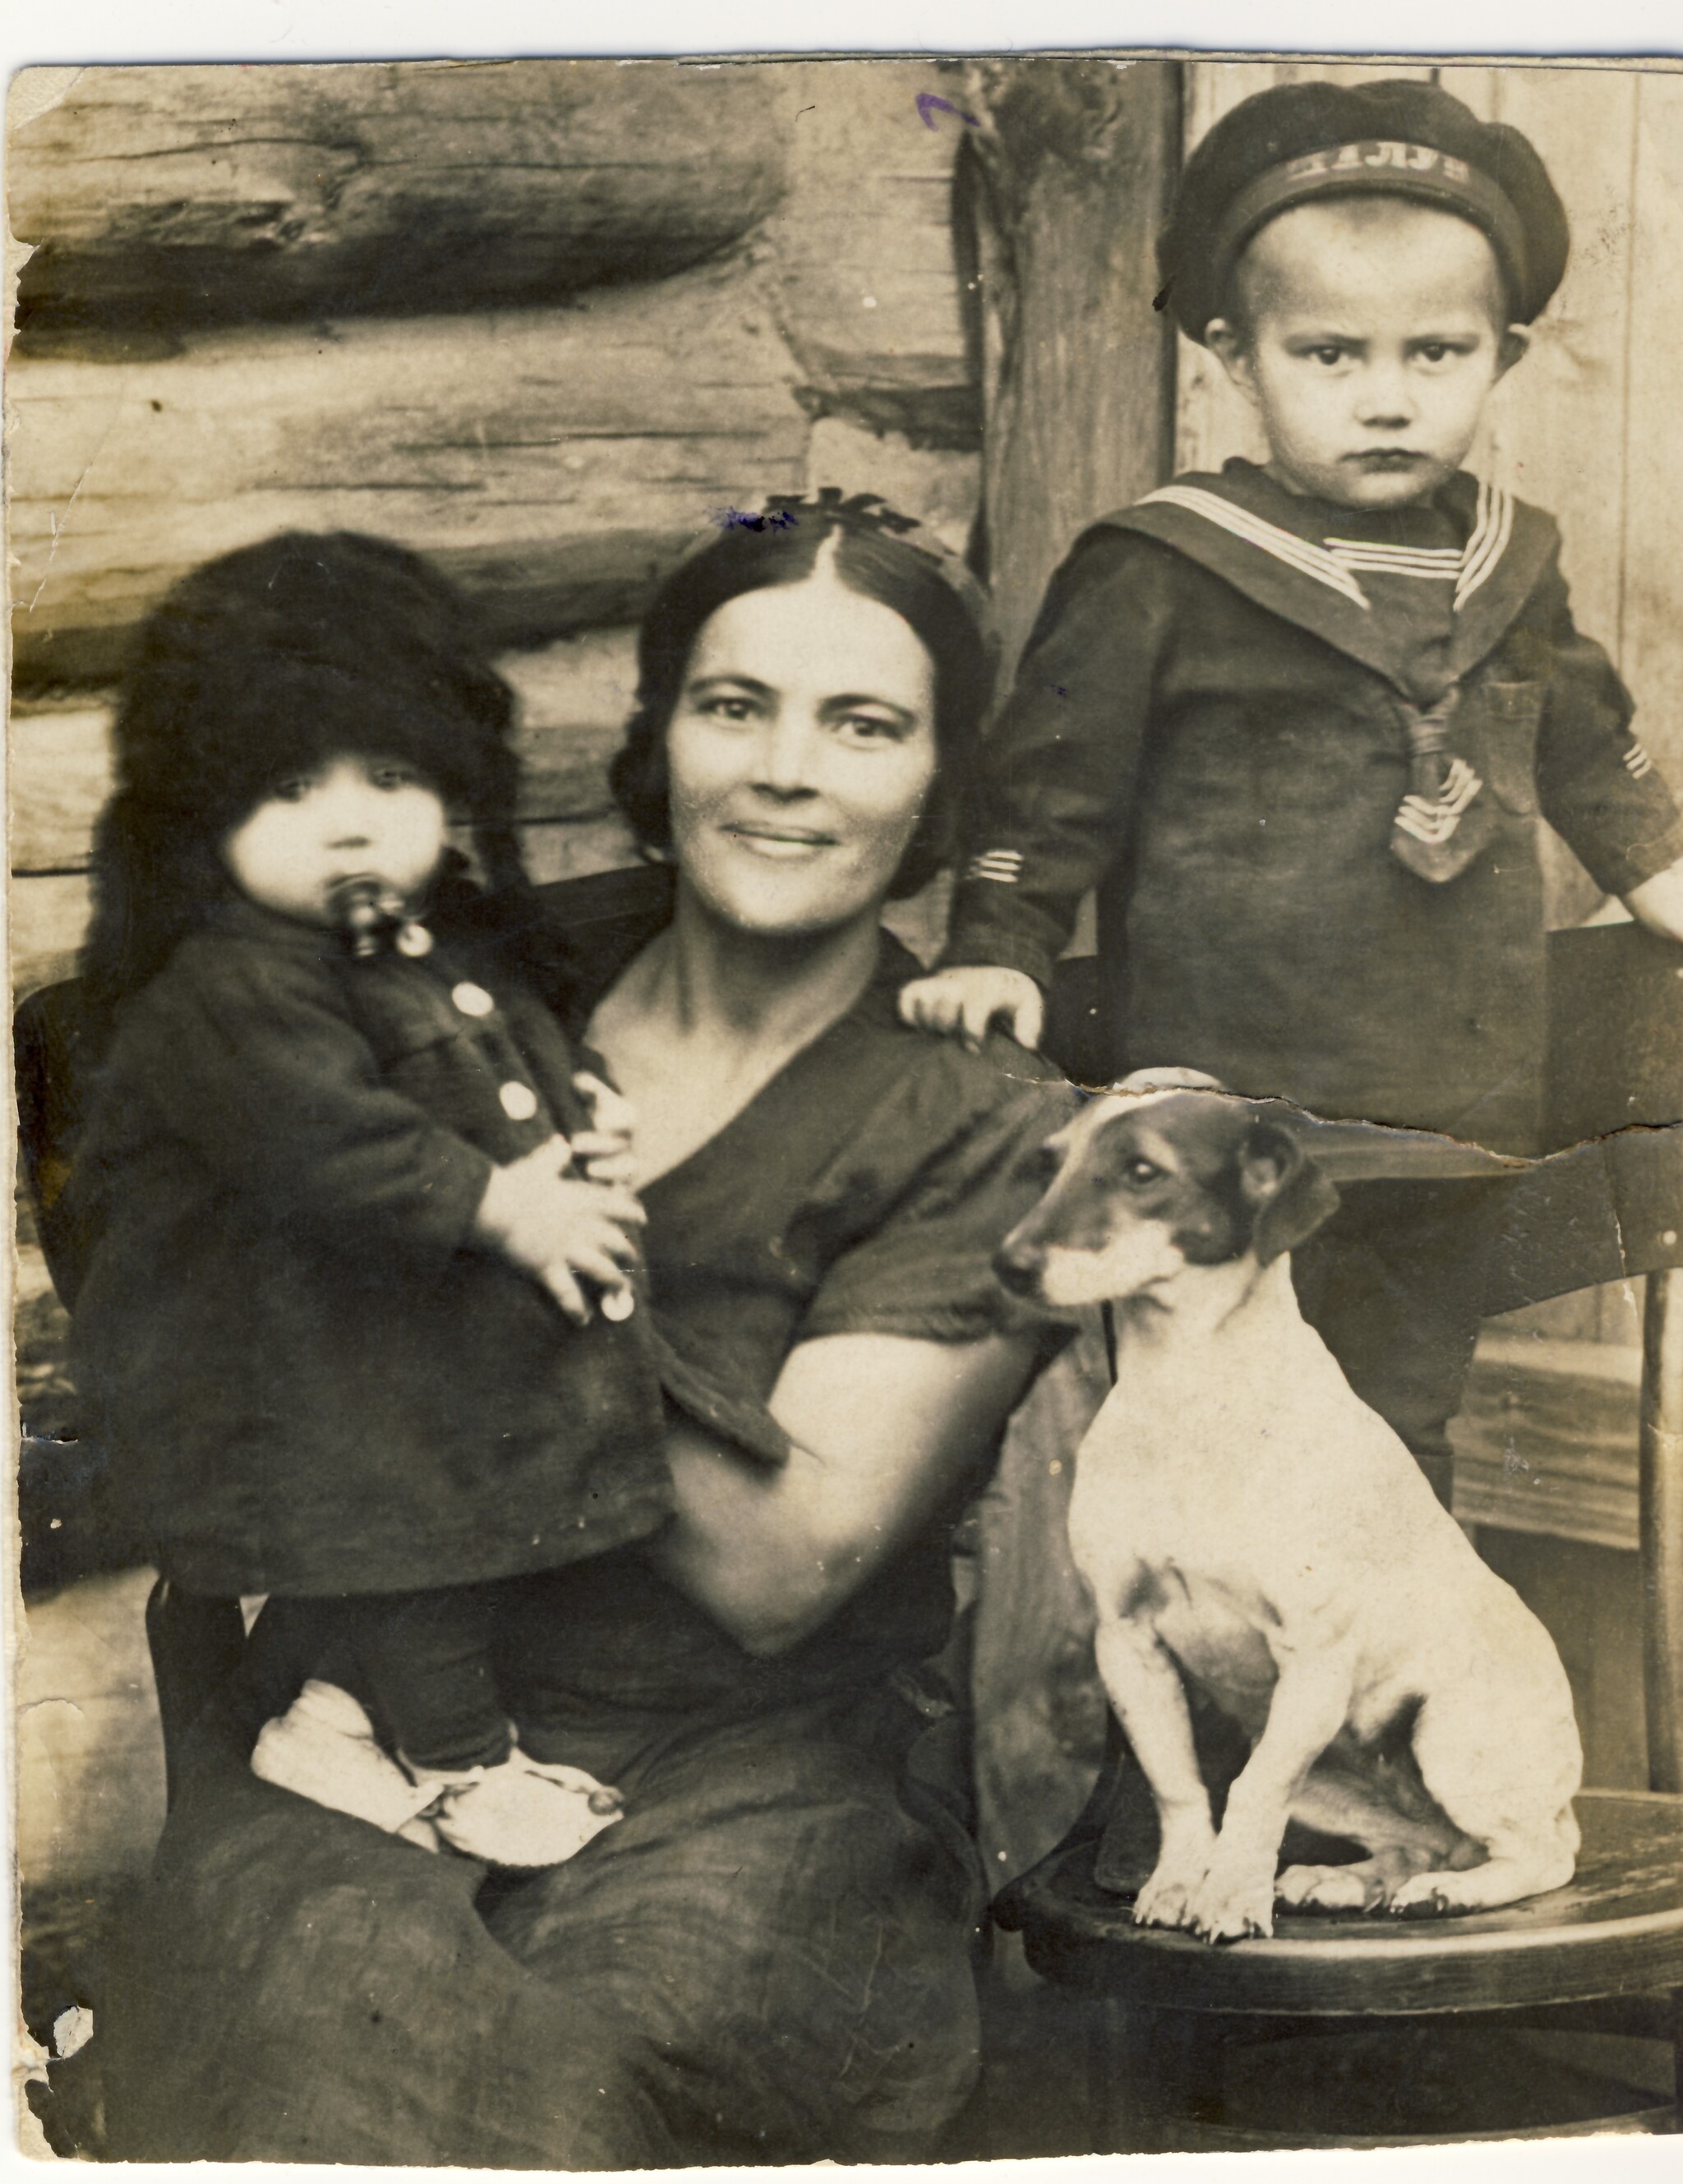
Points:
[1304,560]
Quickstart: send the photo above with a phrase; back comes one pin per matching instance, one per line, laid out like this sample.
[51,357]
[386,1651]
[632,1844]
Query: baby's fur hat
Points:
[266,661]
[1397,138]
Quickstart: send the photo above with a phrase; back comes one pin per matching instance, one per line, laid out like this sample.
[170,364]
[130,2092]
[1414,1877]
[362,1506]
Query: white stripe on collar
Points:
[1489,542]
[1257,530]
[1336,564]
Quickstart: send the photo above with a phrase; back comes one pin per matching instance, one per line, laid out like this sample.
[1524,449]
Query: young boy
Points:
[1294,722]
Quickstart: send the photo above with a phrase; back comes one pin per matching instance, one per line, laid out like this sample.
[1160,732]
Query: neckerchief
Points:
[1420,596]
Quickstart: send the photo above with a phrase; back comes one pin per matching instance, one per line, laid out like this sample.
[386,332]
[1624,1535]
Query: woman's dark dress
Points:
[770,1958]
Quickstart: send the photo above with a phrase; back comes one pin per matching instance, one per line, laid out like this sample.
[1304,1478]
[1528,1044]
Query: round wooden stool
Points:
[1616,1932]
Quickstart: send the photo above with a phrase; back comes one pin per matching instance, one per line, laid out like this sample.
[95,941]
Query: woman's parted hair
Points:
[928,587]
[265,662]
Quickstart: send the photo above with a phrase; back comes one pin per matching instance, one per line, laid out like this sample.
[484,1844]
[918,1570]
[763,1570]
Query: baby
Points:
[357,1320]
[1295,723]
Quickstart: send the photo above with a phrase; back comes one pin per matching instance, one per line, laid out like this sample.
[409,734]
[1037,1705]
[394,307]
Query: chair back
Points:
[52,1058]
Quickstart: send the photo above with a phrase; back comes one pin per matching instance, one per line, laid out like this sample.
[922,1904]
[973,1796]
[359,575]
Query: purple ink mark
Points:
[742,519]
[929,105]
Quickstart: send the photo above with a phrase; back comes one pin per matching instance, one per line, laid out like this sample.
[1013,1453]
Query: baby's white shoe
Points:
[323,1748]
[523,1813]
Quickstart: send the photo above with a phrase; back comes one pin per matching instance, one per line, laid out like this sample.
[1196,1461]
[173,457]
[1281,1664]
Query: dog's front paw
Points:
[1234,1902]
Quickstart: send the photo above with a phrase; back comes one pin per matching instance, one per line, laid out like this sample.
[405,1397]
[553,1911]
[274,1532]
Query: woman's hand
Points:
[884,1430]
[605,1152]
[557,1227]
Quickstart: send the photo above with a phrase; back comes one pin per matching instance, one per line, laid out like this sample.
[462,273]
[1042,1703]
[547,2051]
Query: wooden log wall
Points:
[158,199]
[540,319]
[548,458]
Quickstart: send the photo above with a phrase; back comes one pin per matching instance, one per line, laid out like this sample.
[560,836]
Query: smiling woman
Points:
[800,754]
[769,1955]
[794,798]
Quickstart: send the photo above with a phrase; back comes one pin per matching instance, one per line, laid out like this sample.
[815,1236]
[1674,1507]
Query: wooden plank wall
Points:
[380,298]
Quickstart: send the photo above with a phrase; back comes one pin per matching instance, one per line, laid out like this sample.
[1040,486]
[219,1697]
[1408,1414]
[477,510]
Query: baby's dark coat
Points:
[307,1376]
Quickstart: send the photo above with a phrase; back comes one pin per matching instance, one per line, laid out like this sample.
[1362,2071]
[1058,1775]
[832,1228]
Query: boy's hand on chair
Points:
[557,1226]
[964,1000]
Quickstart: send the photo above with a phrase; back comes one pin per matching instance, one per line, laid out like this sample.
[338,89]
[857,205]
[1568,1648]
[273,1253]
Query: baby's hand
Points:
[600,1244]
[604,1152]
[558,1226]
[964,1000]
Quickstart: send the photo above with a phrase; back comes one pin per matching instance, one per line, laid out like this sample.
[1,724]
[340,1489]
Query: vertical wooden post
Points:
[1063,183]
[1064,171]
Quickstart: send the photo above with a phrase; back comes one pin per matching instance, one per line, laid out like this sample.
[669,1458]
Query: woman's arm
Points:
[884,1428]
[1658,903]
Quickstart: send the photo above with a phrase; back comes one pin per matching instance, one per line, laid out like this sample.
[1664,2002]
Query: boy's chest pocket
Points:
[1505,719]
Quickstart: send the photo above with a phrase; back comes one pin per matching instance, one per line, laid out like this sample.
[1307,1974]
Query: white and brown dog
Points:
[1241,1518]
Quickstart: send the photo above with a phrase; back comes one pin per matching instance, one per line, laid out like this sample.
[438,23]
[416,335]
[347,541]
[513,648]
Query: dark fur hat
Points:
[1397,138]
[265,662]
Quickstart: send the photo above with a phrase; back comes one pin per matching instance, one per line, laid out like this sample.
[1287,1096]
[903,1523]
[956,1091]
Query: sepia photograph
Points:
[846,920]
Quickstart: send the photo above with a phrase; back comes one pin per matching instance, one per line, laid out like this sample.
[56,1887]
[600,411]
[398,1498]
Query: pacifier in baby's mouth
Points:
[373,914]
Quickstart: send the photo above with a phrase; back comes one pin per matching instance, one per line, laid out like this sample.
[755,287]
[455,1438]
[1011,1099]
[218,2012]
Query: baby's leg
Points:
[432,1660]
[407,1674]
[421,1663]
[425,1672]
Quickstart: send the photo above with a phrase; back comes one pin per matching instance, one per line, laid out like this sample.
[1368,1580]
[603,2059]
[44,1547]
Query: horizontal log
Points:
[554,461]
[572,698]
[59,775]
[46,920]
[165,196]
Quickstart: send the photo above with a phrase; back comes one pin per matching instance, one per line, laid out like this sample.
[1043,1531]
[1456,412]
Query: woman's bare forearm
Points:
[1658,903]
[883,1431]
[745,1545]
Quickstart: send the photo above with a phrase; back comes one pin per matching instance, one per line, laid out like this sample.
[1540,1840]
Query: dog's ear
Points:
[1286,1192]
